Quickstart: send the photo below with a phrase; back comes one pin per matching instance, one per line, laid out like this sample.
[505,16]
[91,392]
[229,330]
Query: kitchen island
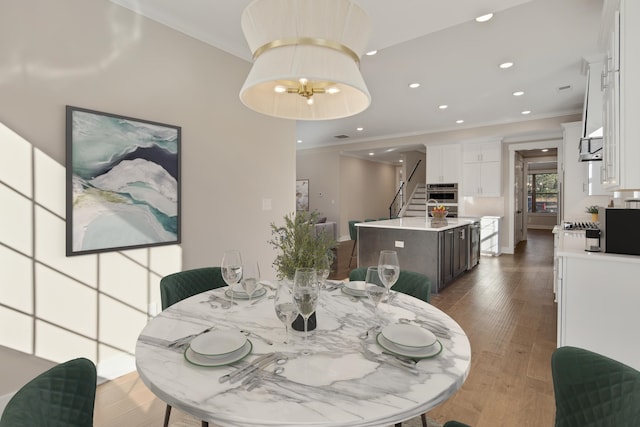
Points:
[597,295]
[437,248]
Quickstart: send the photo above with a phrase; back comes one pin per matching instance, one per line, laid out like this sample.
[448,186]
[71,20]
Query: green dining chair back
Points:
[353,235]
[454,423]
[62,396]
[425,423]
[409,282]
[593,390]
[184,284]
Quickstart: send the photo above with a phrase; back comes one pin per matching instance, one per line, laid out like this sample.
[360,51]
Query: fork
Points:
[185,340]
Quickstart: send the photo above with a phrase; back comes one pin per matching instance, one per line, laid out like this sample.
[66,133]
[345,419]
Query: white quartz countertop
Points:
[416,223]
[571,243]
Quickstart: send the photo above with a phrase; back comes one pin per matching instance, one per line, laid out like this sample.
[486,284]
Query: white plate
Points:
[423,353]
[201,360]
[355,288]
[409,336]
[241,294]
[218,343]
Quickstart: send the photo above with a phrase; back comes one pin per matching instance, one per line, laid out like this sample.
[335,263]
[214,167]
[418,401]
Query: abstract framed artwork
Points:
[302,195]
[123,182]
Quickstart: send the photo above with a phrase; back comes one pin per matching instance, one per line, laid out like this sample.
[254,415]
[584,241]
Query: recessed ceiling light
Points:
[544,150]
[371,52]
[299,141]
[459,121]
[359,129]
[484,18]
[414,85]
[401,160]
[506,65]
[525,112]
[518,93]
[443,106]
[371,154]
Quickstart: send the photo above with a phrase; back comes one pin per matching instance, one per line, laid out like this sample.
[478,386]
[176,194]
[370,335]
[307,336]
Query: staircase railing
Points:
[400,192]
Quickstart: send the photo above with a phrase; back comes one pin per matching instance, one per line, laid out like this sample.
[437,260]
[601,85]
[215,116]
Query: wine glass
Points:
[323,269]
[374,288]
[286,308]
[389,270]
[305,294]
[250,278]
[231,268]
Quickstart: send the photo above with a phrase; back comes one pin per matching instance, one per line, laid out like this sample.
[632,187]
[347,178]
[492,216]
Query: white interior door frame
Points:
[552,143]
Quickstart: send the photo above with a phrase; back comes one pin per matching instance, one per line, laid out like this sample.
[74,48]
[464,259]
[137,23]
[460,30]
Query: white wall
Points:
[366,190]
[322,169]
[96,55]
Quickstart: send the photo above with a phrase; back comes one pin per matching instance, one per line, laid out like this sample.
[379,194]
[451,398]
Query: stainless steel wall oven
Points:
[443,193]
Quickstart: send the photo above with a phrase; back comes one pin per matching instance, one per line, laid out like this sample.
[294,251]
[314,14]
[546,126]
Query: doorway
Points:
[519,153]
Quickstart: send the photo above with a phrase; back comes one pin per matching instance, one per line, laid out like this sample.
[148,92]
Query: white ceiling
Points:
[438,44]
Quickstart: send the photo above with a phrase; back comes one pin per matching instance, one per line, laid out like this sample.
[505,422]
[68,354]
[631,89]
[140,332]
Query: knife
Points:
[240,371]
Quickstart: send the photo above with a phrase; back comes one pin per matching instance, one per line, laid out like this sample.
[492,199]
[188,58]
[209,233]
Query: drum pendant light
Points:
[306,58]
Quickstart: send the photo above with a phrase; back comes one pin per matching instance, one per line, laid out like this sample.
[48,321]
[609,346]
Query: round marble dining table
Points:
[346,381]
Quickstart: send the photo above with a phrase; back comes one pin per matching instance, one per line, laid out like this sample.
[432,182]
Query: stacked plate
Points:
[218,348]
[237,292]
[354,288]
[409,341]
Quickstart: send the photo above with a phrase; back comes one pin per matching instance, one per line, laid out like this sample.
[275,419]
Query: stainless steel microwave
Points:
[620,230]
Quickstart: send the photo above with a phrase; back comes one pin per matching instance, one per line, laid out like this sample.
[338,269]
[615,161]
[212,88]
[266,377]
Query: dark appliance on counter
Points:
[592,240]
[620,231]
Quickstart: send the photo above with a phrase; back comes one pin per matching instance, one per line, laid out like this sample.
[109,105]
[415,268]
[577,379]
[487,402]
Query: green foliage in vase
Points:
[297,244]
[592,209]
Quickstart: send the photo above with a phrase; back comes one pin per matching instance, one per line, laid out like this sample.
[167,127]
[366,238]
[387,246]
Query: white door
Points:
[519,198]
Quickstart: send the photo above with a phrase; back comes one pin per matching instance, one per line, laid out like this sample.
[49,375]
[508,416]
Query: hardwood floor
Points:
[505,305]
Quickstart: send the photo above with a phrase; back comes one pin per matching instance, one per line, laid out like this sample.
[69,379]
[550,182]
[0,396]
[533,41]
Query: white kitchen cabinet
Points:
[482,152]
[482,169]
[621,88]
[597,296]
[443,164]
[597,307]
[481,179]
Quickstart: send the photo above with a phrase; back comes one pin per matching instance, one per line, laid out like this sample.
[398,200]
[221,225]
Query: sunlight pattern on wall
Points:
[58,307]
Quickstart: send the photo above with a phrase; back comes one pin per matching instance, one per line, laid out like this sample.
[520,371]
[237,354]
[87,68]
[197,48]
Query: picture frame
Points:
[122,182]
[302,195]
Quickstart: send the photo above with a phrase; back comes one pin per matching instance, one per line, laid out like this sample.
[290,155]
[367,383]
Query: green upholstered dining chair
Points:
[593,390]
[447,424]
[353,235]
[62,396]
[184,284]
[411,283]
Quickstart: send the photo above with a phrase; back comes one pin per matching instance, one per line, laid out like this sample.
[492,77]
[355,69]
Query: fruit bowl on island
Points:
[439,212]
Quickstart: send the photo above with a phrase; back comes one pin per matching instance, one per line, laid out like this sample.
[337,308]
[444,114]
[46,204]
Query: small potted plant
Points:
[298,246]
[593,210]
